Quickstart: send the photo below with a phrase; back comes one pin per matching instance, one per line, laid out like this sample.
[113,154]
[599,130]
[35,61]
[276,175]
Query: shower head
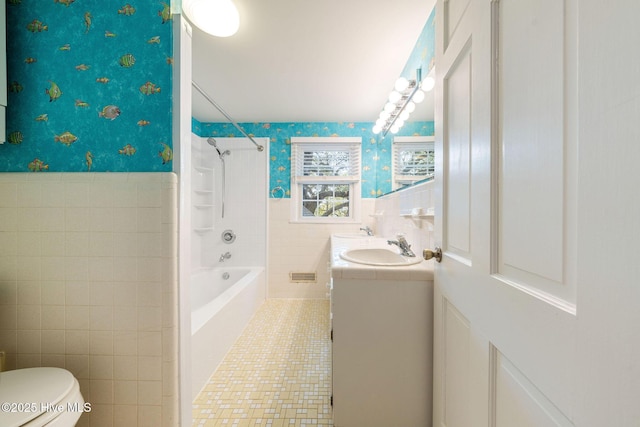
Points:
[213,143]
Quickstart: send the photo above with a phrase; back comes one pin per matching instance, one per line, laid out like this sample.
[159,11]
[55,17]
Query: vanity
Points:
[382,334]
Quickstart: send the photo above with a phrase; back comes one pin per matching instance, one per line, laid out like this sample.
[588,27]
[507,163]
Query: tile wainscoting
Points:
[88,282]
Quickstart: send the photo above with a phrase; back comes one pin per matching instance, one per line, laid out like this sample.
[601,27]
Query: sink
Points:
[378,256]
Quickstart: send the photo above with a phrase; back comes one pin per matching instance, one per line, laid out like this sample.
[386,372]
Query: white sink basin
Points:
[378,256]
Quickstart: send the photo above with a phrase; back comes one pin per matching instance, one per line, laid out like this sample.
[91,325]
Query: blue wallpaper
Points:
[89,86]
[376,150]
[424,51]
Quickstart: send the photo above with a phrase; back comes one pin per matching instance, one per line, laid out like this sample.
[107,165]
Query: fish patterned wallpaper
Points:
[89,86]
[376,150]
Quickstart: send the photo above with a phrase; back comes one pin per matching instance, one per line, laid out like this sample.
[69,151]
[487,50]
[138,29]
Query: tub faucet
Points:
[368,230]
[405,247]
[224,256]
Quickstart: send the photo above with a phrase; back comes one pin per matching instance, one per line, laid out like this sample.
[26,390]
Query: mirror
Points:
[418,132]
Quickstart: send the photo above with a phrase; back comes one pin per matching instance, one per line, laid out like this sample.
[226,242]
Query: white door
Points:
[537,303]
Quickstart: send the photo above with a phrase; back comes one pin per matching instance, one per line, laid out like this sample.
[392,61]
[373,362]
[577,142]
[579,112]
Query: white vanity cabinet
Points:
[3,71]
[382,320]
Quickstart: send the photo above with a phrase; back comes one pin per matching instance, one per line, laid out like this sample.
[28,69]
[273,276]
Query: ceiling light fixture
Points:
[219,18]
[402,102]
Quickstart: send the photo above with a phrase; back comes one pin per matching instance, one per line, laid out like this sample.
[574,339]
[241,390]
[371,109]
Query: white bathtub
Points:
[220,310]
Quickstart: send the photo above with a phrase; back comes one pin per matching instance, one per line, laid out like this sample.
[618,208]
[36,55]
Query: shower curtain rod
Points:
[219,108]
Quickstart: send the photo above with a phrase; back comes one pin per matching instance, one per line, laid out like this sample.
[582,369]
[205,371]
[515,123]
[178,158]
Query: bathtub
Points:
[220,310]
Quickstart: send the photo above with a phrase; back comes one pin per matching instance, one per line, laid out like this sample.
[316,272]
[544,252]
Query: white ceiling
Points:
[307,60]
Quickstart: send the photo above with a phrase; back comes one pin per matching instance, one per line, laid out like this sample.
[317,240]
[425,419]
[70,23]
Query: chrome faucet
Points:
[224,256]
[368,230]
[405,247]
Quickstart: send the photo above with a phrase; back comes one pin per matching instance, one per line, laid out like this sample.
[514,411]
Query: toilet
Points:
[34,397]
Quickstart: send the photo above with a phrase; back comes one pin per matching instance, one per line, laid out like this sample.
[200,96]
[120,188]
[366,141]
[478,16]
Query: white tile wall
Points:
[88,283]
[299,247]
[305,247]
[389,221]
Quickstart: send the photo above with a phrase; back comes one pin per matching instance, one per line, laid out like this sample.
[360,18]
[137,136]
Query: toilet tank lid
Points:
[40,388]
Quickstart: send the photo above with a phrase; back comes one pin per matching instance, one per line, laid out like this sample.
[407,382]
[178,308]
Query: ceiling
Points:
[307,60]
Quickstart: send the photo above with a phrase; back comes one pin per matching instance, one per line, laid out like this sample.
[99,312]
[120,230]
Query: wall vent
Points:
[303,277]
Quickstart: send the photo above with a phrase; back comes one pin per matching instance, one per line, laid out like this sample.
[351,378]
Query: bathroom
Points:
[92,283]
[90,274]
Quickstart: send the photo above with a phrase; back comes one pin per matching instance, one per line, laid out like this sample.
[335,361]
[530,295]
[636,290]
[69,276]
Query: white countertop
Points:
[342,269]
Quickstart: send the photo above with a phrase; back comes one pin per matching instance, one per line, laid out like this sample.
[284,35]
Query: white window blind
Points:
[413,160]
[325,161]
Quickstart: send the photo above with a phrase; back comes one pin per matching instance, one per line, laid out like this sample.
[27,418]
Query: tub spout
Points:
[224,256]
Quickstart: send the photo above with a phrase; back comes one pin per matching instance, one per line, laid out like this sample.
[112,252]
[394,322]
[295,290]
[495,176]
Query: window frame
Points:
[301,144]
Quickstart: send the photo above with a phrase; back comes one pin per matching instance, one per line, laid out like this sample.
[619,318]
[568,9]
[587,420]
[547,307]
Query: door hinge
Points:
[332,335]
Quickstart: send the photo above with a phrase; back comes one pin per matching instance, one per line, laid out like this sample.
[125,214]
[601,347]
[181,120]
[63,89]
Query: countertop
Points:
[342,269]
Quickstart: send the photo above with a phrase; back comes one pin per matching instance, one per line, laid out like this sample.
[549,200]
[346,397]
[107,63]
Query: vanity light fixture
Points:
[219,18]
[401,103]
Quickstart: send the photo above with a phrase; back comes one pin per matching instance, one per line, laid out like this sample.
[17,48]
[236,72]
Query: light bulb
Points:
[399,123]
[384,115]
[410,107]
[389,107]
[427,84]
[394,97]
[418,97]
[380,122]
[404,115]
[376,129]
[401,84]
[216,17]
[394,129]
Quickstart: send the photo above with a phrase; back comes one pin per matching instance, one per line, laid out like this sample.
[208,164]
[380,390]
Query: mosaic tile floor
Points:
[278,373]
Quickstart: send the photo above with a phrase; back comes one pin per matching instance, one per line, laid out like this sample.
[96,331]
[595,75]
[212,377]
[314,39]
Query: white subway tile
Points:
[149,392]
[29,341]
[102,318]
[100,368]
[101,391]
[76,292]
[53,317]
[29,317]
[77,318]
[29,194]
[125,343]
[29,292]
[76,342]
[126,392]
[125,368]
[53,341]
[101,343]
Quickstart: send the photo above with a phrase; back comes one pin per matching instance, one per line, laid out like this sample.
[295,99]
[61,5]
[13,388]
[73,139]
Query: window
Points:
[325,179]
[413,159]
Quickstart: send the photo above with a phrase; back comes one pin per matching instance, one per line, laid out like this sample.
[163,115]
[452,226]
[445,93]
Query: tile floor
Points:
[278,373]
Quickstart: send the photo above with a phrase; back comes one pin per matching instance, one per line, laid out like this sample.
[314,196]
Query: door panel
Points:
[453,11]
[457,92]
[536,144]
[517,400]
[456,367]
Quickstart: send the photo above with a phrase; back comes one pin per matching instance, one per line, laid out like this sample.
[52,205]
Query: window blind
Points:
[323,161]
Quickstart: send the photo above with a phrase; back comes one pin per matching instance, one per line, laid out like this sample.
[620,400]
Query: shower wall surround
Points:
[88,282]
[89,86]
